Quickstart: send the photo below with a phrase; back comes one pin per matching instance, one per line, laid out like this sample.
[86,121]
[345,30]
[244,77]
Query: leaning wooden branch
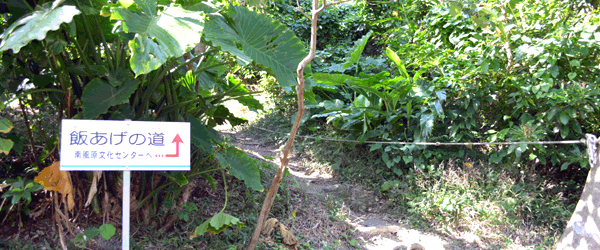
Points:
[299,8]
[266,207]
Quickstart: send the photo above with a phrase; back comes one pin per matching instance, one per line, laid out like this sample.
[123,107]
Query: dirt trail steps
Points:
[359,212]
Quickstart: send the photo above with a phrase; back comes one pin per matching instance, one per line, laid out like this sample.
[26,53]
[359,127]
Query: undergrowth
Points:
[506,205]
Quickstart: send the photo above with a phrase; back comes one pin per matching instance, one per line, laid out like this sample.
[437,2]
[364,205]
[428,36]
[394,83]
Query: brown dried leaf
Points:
[94,187]
[288,237]
[270,224]
[55,180]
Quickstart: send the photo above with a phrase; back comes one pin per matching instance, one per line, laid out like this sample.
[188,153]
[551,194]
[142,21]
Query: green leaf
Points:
[389,184]
[575,63]
[177,177]
[268,42]
[107,231]
[15,199]
[91,233]
[572,75]
[564,117]
[202,135]
[5,125]
[438,107]
[333,79]
[5,145]
[216,224]
[359,47]
[441,94]
[454,8]
[126,3]
[572,112]
[362,102]
[242,95]
[396,59]
[210,180]
[426,123]
[242,167]
[564,166]
[34,26]
[159,35]
[375,146]
[221,34]
[98,96]
[564,131]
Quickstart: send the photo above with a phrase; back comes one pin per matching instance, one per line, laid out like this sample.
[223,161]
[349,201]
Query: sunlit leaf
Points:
[5,125]
[268,42]
[159,35]
[34,26]
[216,224]
[399,63]
[332,79]
[107,231]
[426,124]
[359,47]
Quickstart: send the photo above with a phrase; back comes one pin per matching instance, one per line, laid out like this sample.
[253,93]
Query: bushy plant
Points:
[495,71]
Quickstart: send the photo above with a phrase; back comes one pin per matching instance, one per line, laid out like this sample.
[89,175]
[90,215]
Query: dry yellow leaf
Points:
[55,180]
[288,237]
[468,164]
[270,224]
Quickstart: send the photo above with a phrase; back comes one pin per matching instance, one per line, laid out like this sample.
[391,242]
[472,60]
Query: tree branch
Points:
[300,10]
[268,202]
[338,2]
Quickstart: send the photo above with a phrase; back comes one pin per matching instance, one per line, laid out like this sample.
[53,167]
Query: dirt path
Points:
[332,215]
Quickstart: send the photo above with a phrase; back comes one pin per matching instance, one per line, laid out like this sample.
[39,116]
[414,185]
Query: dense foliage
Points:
[465,72]
[142,60]
[408,70]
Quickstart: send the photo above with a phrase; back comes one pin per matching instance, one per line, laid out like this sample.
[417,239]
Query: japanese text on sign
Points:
[108,145]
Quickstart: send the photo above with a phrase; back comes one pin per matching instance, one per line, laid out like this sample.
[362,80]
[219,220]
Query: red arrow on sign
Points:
[177,140]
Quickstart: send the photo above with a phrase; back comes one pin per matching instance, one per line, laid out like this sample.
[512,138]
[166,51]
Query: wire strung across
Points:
[582,141]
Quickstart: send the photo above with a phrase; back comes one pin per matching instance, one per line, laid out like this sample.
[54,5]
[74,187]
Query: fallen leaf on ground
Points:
[288,237]
[55,180]
[270,224]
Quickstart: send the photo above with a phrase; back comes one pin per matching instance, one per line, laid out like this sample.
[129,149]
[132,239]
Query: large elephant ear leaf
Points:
[35,25]
[242,167]
[220,34]
[99,95]
[159,35]
[359,47]
[268,42]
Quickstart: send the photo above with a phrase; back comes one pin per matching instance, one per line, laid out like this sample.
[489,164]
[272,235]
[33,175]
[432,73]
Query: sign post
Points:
[124,146]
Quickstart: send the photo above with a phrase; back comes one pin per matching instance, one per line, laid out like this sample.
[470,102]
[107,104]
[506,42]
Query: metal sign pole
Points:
[126,203]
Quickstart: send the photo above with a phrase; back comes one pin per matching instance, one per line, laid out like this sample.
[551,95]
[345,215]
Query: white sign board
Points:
[124,145]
